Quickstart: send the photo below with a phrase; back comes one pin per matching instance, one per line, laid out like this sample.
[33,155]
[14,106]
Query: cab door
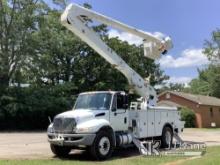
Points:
[119,113]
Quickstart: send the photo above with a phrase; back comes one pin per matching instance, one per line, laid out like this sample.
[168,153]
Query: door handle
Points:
[125,120]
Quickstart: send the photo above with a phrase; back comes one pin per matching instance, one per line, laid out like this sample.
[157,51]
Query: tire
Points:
[167,137]
[60,151]
[102,146]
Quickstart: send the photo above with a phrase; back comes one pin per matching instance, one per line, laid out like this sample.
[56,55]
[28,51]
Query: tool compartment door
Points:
[151,123]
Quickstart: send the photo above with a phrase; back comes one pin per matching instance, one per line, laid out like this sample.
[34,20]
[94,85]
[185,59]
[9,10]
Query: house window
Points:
[211,112]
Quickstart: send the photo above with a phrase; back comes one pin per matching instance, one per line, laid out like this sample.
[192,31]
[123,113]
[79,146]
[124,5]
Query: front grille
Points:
[64,125]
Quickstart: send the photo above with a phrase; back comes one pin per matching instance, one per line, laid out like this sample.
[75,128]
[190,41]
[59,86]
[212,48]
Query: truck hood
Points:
[80,115]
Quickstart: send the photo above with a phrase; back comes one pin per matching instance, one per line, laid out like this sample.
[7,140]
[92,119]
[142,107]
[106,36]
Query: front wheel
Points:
[102,146]
[60,151]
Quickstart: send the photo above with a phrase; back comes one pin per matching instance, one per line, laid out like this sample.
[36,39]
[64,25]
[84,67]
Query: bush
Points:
[188,116]
[29,108]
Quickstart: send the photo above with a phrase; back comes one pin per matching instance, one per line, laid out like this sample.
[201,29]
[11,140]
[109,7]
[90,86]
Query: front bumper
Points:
[71,139]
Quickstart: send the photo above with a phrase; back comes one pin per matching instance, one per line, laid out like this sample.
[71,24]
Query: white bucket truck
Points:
[102,120]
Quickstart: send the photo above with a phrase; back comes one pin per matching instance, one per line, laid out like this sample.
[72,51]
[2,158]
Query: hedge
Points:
[29,108]
[188,116]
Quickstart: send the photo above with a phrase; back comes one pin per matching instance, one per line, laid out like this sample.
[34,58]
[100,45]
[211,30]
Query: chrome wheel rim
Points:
[168,137]
[104,145]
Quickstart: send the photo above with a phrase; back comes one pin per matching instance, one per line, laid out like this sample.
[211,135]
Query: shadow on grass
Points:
[119,153]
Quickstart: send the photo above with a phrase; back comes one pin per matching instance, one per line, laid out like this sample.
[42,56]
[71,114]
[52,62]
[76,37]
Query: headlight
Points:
[84,130]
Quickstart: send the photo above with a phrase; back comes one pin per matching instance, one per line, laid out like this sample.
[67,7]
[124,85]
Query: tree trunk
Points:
[4,81]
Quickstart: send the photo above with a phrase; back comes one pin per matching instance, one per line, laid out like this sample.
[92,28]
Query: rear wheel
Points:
[60,151]
[167,137]
[102,146]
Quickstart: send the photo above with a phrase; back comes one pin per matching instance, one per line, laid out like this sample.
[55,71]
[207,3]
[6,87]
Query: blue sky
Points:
[187,22]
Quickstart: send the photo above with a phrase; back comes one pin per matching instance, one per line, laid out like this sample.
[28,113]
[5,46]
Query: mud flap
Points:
[178,138]
[142,149]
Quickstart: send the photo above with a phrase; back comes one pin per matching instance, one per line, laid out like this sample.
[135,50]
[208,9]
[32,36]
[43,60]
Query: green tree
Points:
[60,56]
[36,49]
[173,87]
[17,23]
[212,47]
[56,49]
[208,82]
[188,116]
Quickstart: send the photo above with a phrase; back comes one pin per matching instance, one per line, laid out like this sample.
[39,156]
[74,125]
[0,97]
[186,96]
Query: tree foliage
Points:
[212,47]
[208,82]
[18,20]
[29,108]
[173,87]
[188,116]
[35,49]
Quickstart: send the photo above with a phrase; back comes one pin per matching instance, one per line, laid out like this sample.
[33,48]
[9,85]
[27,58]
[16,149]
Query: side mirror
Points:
[125,106]
[125,102]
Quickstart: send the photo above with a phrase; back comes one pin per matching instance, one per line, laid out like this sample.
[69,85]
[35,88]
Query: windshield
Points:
[94,101]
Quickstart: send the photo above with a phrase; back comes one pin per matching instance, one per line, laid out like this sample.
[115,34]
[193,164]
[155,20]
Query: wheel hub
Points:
[104,145]
[168,137]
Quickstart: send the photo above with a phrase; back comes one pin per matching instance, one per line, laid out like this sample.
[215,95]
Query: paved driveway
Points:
[210,137]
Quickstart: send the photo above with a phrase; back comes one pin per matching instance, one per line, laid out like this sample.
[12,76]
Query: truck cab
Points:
[92,112]
[105,105]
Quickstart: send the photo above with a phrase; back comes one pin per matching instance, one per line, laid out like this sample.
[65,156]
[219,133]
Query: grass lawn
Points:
[126,161]
[212,156]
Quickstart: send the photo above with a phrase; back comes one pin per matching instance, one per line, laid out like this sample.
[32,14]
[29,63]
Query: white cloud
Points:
[130,38]
[188,58]
[180,80]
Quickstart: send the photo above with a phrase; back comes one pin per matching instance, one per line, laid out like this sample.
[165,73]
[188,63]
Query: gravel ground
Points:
[35,146]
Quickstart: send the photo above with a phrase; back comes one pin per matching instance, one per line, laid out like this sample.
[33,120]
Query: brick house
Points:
[206,108]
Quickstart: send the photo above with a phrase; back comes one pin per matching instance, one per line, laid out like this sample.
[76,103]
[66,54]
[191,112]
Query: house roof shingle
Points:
[168,103]
[200,99]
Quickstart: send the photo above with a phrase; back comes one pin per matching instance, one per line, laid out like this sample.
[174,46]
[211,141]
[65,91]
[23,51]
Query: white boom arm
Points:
[74,19]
